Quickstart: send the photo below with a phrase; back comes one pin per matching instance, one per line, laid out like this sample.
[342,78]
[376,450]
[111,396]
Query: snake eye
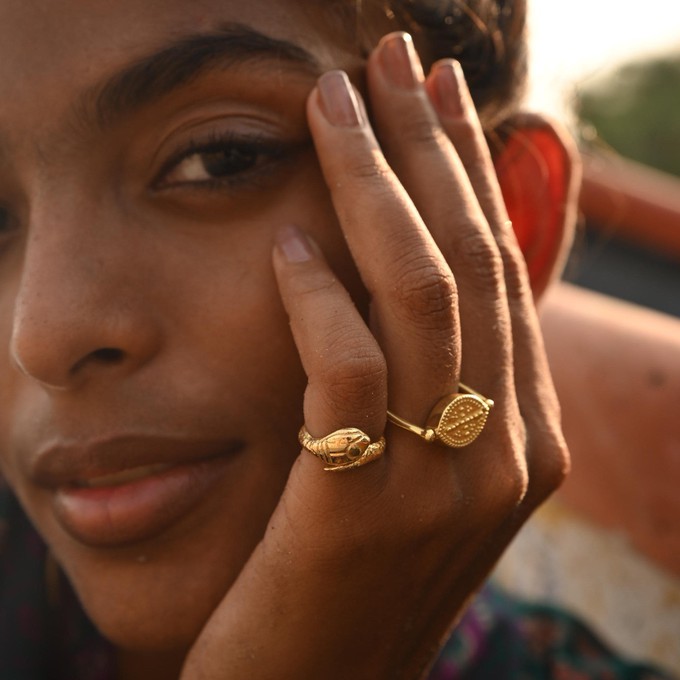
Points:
[353,452]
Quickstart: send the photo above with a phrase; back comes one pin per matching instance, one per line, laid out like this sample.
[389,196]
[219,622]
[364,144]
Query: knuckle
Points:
[508,492]
[515,272]
[505,481]
[428,292]
[314,283]
[479,254]
[517,483]
[420,130]
[372,171]
[466,138]
[354,376]
[549,466]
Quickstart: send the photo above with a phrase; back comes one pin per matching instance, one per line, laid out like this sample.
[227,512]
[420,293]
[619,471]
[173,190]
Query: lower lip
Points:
[139,510]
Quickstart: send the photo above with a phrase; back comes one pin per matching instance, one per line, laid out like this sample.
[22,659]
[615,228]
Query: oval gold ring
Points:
[456,419]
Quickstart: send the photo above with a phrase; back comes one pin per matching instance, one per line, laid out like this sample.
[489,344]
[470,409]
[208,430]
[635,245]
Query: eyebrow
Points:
[150,78]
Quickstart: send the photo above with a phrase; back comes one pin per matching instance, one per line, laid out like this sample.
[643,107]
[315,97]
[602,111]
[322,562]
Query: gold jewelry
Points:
[343,449]
[456,419]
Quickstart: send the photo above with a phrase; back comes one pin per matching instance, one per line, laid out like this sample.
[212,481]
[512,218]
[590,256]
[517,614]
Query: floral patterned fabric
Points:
[45,635]
[503,638]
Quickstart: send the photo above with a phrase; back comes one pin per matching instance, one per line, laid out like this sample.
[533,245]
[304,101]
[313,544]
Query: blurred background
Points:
[607,545]
[612,69]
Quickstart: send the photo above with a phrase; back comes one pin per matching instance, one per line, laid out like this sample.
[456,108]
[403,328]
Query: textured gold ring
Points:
[456,419]
[343,449]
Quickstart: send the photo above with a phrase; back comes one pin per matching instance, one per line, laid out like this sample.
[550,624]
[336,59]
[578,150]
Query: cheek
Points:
[252,325]
[228,307]
[320,221]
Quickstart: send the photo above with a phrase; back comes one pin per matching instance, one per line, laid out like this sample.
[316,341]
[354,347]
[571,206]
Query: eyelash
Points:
[264,154]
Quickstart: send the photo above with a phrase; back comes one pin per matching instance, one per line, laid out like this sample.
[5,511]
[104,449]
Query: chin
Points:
[157,595]
[152,601]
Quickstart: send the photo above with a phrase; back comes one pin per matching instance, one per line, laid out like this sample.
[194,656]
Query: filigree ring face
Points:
[461,421]
[455,421]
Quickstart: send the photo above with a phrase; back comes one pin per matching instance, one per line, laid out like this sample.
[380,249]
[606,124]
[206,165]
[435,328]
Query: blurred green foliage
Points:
[636,110]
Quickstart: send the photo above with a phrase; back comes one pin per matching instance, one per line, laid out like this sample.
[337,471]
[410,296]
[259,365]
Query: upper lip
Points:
[67,463]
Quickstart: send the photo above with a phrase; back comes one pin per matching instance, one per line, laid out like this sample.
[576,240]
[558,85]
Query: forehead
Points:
[48,47]
[33,26]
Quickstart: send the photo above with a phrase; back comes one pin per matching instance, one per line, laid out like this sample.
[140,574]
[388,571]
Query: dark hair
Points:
[488,38]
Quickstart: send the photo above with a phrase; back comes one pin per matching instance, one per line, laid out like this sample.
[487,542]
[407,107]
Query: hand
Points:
[361,574]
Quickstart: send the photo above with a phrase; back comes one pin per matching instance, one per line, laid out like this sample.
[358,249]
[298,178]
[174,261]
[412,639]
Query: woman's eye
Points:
[217,163]
[208,166]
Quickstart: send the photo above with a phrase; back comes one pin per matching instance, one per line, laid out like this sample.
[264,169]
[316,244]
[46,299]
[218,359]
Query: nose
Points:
[80,313]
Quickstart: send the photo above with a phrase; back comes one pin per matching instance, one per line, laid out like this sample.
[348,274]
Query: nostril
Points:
[104,355]
[107,355]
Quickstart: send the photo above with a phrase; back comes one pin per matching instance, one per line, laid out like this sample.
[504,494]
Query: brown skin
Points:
[175,282]
[624,436]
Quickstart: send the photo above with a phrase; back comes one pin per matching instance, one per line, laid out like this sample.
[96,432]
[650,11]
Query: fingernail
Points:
[294,244]
[399,61]
[338,99]
[452,94]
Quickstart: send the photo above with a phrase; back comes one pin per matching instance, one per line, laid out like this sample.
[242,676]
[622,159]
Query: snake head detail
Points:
[343,449]
[349,442]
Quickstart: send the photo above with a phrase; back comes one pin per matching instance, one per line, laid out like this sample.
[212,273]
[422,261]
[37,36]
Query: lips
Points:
[127,489]
[124,476]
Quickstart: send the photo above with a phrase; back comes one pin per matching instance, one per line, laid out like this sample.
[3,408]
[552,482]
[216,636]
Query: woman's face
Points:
[151,391]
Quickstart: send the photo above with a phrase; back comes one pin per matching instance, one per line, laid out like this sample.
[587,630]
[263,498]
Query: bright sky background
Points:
[576,39]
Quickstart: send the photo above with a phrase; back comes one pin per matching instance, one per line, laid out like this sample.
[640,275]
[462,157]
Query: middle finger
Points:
[429,167]
[413,291]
